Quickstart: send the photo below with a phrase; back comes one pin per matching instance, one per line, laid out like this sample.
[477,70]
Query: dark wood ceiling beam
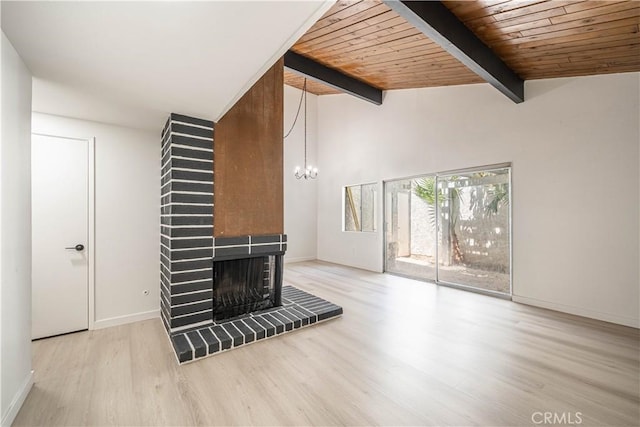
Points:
[439,24]
[331,77]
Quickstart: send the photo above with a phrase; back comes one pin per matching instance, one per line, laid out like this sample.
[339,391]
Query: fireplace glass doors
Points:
[245,285]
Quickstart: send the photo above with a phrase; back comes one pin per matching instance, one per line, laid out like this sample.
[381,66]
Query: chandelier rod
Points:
[304,92]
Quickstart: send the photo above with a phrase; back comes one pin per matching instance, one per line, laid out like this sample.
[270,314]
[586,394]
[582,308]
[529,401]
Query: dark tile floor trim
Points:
[299,309]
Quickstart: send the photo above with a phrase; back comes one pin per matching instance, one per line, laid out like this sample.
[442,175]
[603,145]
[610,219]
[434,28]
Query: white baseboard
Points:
[298,259]
[579,311]
[17,401]
[122,320]
[359,267]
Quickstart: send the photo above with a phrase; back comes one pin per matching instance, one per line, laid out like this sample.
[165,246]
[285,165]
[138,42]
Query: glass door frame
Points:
[384,228]
[437,176]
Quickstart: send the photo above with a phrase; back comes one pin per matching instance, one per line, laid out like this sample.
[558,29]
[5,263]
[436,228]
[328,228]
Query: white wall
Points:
[573,146]
[127,216]
[300,195]
[15,233]
[127,165]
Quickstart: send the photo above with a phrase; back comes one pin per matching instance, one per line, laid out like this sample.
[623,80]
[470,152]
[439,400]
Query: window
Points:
[359,207]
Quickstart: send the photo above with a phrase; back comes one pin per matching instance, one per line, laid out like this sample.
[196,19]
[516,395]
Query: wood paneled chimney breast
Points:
[249,162]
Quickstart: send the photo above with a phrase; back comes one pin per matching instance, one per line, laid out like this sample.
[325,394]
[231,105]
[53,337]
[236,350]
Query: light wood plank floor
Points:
[405,352]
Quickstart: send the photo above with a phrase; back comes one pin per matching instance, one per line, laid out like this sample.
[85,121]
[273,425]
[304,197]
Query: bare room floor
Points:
[404,352]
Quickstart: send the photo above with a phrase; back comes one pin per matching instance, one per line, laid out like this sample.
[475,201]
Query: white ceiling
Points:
[133,63]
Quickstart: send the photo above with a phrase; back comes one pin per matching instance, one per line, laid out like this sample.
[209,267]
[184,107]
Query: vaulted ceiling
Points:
[132,63]
[369,41]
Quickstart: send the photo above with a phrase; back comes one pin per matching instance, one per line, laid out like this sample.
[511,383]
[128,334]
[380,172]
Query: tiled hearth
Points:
[299,309]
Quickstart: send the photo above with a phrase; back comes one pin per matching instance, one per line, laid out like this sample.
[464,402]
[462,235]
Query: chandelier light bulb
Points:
[309,172]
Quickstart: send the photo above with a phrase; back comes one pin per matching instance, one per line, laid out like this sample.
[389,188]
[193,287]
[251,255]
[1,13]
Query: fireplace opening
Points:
[246,285]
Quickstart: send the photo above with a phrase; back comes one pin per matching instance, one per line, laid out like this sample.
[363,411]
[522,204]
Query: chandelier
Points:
[308,171]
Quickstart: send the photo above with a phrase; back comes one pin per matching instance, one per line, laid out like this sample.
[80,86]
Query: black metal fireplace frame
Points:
[248,247]
[222,312]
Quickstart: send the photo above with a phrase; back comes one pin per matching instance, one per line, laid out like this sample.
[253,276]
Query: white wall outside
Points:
[300,195]
[15,229]
[574,147]
[127,216]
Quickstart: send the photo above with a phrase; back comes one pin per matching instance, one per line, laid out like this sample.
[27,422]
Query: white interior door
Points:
[60,213]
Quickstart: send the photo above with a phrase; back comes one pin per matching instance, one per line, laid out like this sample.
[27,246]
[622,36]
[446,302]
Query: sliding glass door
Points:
[473,229]
[451,228]
[410,244]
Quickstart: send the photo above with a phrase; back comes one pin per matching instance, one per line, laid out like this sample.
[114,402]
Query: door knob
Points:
[77,247]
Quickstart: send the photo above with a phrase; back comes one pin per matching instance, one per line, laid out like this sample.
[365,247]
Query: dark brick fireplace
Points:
[218,293]
[222,224]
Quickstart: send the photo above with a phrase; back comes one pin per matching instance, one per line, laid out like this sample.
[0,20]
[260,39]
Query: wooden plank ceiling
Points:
[537,39]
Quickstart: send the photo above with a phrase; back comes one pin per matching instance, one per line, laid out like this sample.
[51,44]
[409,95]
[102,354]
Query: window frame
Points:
[374,205]
[436,175]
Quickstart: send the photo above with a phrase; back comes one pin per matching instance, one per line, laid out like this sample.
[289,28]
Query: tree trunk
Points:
[455,254]
[458,257]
